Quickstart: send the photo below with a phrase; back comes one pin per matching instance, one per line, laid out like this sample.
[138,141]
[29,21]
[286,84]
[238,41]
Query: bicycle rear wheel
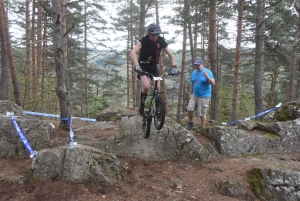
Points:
[160,113]
[146,127]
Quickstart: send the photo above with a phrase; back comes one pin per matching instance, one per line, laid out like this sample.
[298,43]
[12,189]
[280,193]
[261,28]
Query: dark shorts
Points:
[150,68]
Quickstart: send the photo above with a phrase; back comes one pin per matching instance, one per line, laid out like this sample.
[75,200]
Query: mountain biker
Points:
[150,47]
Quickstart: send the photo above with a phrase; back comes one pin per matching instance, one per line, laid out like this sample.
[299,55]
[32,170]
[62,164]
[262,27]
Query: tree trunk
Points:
[237,61]
[44,59]
[141,34]
[213,58]
[134,90]
[190,36]
[258,70]
[39,54]
[273,88]
[12,67]
[4,58]
[62,88]
[128,66]
[195,53]
[33,55]
[182,76]
[293,58]
[85,61]
[28,84]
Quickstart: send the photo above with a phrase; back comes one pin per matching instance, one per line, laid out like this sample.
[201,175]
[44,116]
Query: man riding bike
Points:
[150,47]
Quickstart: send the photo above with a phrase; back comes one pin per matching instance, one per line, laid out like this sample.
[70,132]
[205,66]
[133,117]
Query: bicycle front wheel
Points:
[146,127]
[160,113]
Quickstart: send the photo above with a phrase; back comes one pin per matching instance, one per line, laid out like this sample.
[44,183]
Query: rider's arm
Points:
[134,52]
[171,56]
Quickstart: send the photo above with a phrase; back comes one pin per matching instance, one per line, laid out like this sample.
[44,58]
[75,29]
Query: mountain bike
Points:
[156,110]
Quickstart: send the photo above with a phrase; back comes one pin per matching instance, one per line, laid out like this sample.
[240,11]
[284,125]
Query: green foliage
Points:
[96,105]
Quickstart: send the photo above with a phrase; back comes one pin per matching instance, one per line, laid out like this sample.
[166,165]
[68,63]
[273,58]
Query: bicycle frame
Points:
[157,109]
[151,111]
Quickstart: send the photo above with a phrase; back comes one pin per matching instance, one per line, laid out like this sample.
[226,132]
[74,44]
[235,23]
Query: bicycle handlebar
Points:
[162,75]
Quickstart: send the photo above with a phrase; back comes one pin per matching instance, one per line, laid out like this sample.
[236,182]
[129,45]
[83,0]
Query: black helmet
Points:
[154,29]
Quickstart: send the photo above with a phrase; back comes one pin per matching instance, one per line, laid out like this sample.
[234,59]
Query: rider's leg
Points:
[145,88]
[145,84]
[158,84]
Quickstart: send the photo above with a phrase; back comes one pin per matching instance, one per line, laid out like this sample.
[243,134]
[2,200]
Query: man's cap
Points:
[198,61]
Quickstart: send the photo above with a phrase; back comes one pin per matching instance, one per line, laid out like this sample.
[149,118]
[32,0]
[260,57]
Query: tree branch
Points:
[47,8]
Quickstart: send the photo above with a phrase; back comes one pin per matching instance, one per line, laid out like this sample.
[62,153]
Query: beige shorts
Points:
[201,103]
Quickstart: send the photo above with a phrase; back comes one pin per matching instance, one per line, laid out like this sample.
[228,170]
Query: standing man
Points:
[200,93]
[150,47]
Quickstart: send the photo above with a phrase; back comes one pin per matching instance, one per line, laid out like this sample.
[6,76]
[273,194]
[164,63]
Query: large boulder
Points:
[171,142]
[48,165]
[85,164]
[77,164]
[275,183]
[276,137]
[8,106]
[288,111]
[36,132]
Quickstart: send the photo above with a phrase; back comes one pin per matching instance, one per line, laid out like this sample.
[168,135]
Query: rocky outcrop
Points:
[288,111]
[36,131]
[8,106]
[171,142]
[78,164]
[276,137]
[276,184]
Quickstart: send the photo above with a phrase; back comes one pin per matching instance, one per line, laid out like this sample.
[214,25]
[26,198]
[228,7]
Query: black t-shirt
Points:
[150,51]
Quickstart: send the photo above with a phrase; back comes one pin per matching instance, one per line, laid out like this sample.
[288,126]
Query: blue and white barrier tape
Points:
[72,141]
[22,136]
[56,116]
[252,117]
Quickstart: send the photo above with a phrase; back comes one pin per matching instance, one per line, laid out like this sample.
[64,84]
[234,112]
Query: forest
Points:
[71,57]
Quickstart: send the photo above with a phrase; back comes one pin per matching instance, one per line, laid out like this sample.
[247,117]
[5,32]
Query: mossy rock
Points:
[289,111]
[257,184]
[233,189]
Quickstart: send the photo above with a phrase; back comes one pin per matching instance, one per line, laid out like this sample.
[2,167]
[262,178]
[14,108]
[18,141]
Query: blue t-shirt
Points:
[202,88]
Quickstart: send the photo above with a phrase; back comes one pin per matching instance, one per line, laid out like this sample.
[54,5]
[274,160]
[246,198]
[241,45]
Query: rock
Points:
[8,106]
[233,189]
[85,164]
[35,130]
[77,164]
[288,111]
[276,184]
[247,125]
[115,113]
[48,164]
[277,137]
[171,142]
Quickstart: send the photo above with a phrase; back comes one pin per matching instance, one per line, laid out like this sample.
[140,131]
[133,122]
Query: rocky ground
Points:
[141,180]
